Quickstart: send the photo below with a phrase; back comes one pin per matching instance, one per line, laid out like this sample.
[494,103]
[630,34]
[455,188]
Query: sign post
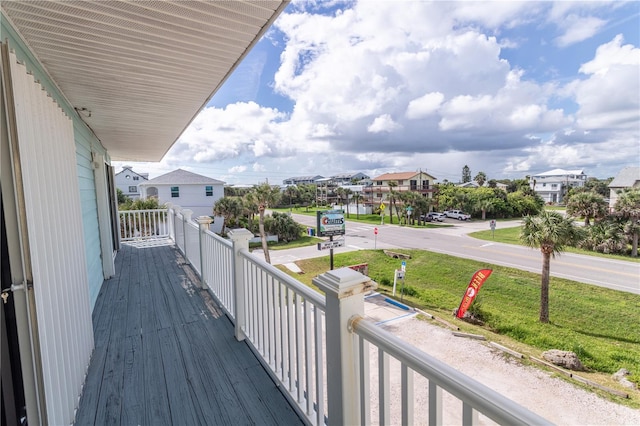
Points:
[330,223]
[492,224]
[382,207]
[375,241]
[403,270]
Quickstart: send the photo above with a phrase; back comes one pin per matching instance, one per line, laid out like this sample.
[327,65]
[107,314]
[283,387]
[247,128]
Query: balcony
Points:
[194,329]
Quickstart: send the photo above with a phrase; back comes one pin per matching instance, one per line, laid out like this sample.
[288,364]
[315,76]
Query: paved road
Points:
[614,274]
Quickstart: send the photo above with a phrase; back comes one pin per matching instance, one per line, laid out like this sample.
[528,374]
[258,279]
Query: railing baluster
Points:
[307,352]
[384,405]
[469,415]
[406,378]
[364,364]
[435,404]
[299,344]
[319,367]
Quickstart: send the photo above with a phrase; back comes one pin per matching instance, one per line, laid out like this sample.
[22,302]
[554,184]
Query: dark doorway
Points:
[13,401]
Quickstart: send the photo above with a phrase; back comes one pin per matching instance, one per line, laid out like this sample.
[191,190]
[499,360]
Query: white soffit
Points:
[143,69]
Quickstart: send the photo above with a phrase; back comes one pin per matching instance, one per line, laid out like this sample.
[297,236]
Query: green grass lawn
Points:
[599,324]
[512,236]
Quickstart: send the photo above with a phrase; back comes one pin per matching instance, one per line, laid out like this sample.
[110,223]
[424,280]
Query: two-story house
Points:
[420,182]
[188,190]
[629,177]
[553,185]
[127,181]
[302,180]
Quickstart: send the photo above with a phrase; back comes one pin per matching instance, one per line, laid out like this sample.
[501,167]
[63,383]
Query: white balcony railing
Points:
[317,347]
[138,224]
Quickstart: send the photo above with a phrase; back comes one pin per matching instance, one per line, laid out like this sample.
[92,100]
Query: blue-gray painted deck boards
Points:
[165,354]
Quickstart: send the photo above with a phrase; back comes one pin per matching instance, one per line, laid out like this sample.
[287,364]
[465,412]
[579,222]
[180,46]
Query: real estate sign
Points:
[330,223]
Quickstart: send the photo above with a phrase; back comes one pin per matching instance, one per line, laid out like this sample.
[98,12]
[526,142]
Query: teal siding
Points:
[86,142]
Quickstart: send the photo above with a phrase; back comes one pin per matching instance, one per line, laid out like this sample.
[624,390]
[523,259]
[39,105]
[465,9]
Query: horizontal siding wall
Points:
[86,182]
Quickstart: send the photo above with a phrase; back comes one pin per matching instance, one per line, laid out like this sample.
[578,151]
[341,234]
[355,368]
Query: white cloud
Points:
[383,123]
[424,105]
[237,169]
[579,29]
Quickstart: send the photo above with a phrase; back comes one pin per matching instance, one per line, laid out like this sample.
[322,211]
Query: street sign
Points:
[404,266]
[492,224]
[375,231]
[330,223]
[324,245]
[382,206]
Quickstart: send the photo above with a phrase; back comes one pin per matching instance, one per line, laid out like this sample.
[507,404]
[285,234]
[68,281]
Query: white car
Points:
[440,217]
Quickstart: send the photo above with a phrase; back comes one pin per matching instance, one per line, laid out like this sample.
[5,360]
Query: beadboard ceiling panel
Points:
[140,71]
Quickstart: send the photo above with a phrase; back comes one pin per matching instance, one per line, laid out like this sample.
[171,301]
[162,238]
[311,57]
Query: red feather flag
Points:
[479,277]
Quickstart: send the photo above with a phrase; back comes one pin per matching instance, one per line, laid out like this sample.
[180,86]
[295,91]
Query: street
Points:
[454,241]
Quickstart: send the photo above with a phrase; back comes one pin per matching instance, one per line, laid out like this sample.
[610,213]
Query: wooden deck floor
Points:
[165,354]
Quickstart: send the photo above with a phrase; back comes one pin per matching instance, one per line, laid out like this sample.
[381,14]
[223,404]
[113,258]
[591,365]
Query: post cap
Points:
[204,220]
[240,234]
[344,282]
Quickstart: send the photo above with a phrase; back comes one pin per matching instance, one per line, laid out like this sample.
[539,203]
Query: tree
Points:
[229,208]
[263,196]
[347,192]
[550,232]
[357,197]
[291,191]
[480,178]
[122,199]
[588,205]
[466,174]
[628,207]
[392,198]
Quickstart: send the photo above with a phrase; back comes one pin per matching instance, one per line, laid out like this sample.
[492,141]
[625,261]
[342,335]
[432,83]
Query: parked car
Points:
[457,214]
[426,218]
[436,216]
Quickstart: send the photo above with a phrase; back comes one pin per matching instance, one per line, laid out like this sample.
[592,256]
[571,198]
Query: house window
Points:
[209,191]
[554,186]
[133,189]
[379,195]
[175,191]
[379,182]
[136,178]
[400,182]
[544,184]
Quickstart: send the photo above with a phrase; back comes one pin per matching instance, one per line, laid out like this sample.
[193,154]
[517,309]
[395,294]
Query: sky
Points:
[510,88]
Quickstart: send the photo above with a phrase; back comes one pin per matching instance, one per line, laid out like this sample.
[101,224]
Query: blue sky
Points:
[507,88]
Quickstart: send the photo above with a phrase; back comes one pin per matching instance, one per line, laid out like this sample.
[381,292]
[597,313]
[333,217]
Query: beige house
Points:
[629,177]
[420,182]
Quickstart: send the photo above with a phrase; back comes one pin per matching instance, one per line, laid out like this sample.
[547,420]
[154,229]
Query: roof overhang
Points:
[139,72]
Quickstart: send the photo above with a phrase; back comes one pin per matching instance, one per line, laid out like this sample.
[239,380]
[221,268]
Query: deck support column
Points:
[344,289]
[240,238]
[204,222]
[186,218]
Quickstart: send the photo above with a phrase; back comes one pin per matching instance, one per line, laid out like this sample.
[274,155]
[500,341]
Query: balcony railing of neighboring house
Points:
[137,224]
[317,347]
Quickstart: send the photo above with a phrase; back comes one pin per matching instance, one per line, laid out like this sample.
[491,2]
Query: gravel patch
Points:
[552,398]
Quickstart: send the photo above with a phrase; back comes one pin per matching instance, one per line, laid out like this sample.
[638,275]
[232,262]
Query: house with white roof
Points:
[186,189]
[127,181]
[420,182]
[629,177]
[553,185]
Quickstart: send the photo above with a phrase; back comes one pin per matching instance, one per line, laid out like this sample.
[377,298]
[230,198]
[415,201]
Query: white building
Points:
[628,178]
[127,181]
[188,190]
[553,185]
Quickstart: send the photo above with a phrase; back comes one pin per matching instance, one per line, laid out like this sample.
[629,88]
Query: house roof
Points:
[138,72]
[305,177]
[400,176]
[627,178]
[130,170]
[561,172]
[182,177]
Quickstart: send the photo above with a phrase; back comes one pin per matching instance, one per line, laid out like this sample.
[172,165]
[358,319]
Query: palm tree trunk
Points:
[263,237]
[484,214]
[544,288]
[634,245]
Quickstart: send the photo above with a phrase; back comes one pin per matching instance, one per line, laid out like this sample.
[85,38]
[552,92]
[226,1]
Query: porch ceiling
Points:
[140,71]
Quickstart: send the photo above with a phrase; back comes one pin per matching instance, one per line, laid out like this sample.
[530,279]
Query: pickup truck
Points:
[457,214]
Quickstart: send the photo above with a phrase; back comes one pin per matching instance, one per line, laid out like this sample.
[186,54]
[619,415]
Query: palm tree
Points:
[485,205]
[588,205]
[228,208]
[264,195]
[628,207]
[550,232]
[392,199]
[339,193]
[347,192]
[357,197]
[480,178]
[291,191]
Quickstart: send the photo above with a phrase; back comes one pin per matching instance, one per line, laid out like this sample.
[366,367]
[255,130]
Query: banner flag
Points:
[479,277]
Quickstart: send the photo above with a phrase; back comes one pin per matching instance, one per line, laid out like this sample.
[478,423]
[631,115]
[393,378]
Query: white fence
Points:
[137,224]
[317,348]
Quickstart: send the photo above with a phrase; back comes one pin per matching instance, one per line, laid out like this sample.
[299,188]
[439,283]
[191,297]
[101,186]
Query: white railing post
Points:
[167,219]
[344,289]
[186,217]
[240,238]
[176,209]
[204,222]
